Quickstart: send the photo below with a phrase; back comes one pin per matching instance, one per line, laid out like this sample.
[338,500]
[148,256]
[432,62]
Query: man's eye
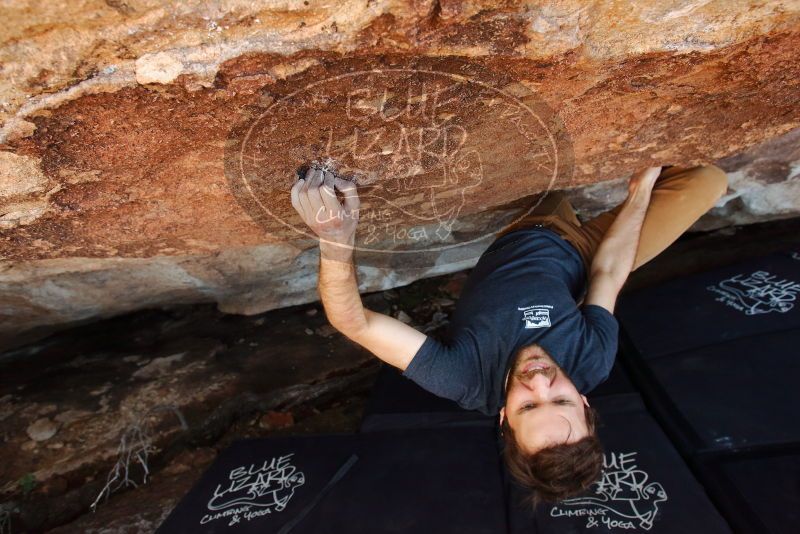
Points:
[564,402]
[528,406]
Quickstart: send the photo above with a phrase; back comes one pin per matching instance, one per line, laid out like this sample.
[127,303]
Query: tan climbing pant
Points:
[680,197]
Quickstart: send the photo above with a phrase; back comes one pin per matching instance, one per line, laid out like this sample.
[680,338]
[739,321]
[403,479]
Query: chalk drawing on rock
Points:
[419,137]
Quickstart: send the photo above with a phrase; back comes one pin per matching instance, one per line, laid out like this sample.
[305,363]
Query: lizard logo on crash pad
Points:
[757,293]
[255,490]
[623,499]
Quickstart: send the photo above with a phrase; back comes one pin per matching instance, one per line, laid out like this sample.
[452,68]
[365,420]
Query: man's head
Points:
[549,429]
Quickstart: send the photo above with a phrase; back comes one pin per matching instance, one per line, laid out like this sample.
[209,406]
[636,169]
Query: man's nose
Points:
[539,385]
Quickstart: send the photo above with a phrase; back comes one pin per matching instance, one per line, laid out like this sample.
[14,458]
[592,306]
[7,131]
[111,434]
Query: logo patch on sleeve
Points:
[537,316]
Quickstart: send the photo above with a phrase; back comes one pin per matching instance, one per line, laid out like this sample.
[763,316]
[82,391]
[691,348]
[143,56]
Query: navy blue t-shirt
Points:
[523,290]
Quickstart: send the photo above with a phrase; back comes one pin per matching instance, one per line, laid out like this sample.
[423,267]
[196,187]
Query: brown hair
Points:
[558,472]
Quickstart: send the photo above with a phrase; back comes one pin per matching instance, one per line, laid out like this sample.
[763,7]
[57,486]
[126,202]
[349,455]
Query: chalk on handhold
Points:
[328,165]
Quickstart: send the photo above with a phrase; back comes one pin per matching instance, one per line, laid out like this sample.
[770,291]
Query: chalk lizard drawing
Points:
[629,508]
[758,293]
[271,485]
[624,490]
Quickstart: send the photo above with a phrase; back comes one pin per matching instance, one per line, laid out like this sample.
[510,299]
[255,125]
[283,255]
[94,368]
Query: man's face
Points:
[542,404]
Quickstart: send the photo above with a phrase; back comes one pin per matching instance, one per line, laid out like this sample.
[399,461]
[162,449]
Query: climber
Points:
[533,330]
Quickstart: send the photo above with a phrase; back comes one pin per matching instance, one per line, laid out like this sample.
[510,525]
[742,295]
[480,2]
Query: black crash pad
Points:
[397,402]
[757,491]
[617,383]
[645,487]
[749,298]
[434,480]
[734,395]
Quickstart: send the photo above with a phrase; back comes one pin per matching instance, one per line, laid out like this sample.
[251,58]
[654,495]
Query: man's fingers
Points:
[319,176]
[644,179]
[307,178]
[344,185]
[350,192]
[652,173]
[318,210]
[328,193]
[648,174]
[316,195]
[313,178]
[295,194]
[302,198]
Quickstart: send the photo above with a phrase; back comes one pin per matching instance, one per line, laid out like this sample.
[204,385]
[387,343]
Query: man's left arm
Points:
[616,254]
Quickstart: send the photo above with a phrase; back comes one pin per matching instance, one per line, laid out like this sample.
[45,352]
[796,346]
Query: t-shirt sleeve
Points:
[600,343]
[448,370]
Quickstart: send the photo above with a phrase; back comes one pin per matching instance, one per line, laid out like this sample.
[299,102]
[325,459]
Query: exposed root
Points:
[5,520]
[135,447]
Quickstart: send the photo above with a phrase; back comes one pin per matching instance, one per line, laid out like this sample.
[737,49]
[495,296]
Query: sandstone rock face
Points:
[147,151]
[762,185]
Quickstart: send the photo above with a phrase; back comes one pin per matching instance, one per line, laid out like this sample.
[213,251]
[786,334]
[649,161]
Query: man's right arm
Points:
[315,200]
[616,254]
[389,339]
